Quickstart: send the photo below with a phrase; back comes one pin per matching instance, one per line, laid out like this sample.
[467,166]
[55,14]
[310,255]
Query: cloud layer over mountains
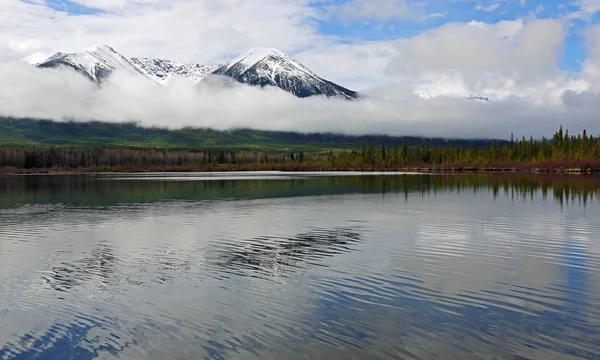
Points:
[515,62]
[27,91]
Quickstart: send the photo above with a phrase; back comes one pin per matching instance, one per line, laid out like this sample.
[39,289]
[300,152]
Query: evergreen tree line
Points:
[73,158]
[562,148]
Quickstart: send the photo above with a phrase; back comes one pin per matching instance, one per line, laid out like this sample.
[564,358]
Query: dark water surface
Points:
[286,266]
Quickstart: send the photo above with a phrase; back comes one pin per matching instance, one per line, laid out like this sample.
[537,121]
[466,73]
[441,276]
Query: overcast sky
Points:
[538,61]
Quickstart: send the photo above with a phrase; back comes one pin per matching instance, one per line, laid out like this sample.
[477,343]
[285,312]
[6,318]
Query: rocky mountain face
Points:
[162,71]
[271,67]
[258,67]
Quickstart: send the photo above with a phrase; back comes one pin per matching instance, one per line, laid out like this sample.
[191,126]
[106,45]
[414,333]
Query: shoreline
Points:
[524,169]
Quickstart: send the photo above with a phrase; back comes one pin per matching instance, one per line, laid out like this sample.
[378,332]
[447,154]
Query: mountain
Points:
[258,67]
[162,70]
[272,67]
[97,62]
[479,98]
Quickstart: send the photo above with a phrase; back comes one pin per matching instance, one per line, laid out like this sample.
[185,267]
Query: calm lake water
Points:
[287,266]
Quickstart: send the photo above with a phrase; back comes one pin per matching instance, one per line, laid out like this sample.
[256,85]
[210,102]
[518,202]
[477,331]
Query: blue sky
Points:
[436,13]
[70,7]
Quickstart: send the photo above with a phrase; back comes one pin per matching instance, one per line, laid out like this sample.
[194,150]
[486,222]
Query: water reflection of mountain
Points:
[270,257]
[99,265]
[103,268]
[93,190]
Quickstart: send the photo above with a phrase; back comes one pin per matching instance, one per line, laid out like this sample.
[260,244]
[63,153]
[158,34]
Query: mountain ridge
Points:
[163,70]
[97,62]
[257,67]
[272,67]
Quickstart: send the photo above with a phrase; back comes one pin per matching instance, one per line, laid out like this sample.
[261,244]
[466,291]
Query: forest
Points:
[23,132]
[563,151]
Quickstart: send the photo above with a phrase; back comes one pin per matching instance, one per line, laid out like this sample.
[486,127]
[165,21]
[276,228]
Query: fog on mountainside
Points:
[224,102]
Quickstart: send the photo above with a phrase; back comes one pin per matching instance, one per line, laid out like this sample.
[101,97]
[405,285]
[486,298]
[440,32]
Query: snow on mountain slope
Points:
[163,70]
[251,57]
[272,67]
[258,67]
[96,62]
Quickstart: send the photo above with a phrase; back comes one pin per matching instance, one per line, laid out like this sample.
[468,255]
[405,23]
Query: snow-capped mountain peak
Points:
[53,57]
[250,58]
[96,62]
[272,67]
[478,98]
[257,67]
[100,48]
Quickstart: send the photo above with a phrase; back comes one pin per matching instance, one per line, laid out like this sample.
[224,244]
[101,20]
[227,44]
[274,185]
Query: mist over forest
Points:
[62,94]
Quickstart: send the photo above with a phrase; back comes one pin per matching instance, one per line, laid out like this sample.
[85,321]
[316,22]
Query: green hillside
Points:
[43,133]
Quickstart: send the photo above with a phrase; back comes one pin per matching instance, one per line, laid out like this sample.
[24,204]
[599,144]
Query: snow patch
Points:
[252,56]
[93,61]
[163,71]
[268,66]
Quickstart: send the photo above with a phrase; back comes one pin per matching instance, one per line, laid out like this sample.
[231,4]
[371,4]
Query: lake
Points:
[299,265]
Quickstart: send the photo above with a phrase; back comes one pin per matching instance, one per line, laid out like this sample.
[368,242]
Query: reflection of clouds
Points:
[452,241]
[194,278]
[133,250]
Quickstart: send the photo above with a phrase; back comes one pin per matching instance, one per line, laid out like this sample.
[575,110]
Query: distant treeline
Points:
[43,133]
[563,149]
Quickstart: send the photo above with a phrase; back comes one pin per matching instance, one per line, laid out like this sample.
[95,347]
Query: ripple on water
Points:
[419,275]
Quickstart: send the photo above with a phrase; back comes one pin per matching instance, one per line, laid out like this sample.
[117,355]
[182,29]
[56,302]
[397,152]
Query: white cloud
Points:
[589,6]
[195,30]
[489,8]
[358,66]
[382,10]
[508,58]
[591,66]
[62,94]
[113,4]
[506,46]
[434,16]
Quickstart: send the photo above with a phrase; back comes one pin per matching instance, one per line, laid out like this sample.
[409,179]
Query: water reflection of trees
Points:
[267,257]
[98,191]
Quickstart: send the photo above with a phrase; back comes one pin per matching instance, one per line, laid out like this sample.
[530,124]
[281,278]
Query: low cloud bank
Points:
[62,95]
